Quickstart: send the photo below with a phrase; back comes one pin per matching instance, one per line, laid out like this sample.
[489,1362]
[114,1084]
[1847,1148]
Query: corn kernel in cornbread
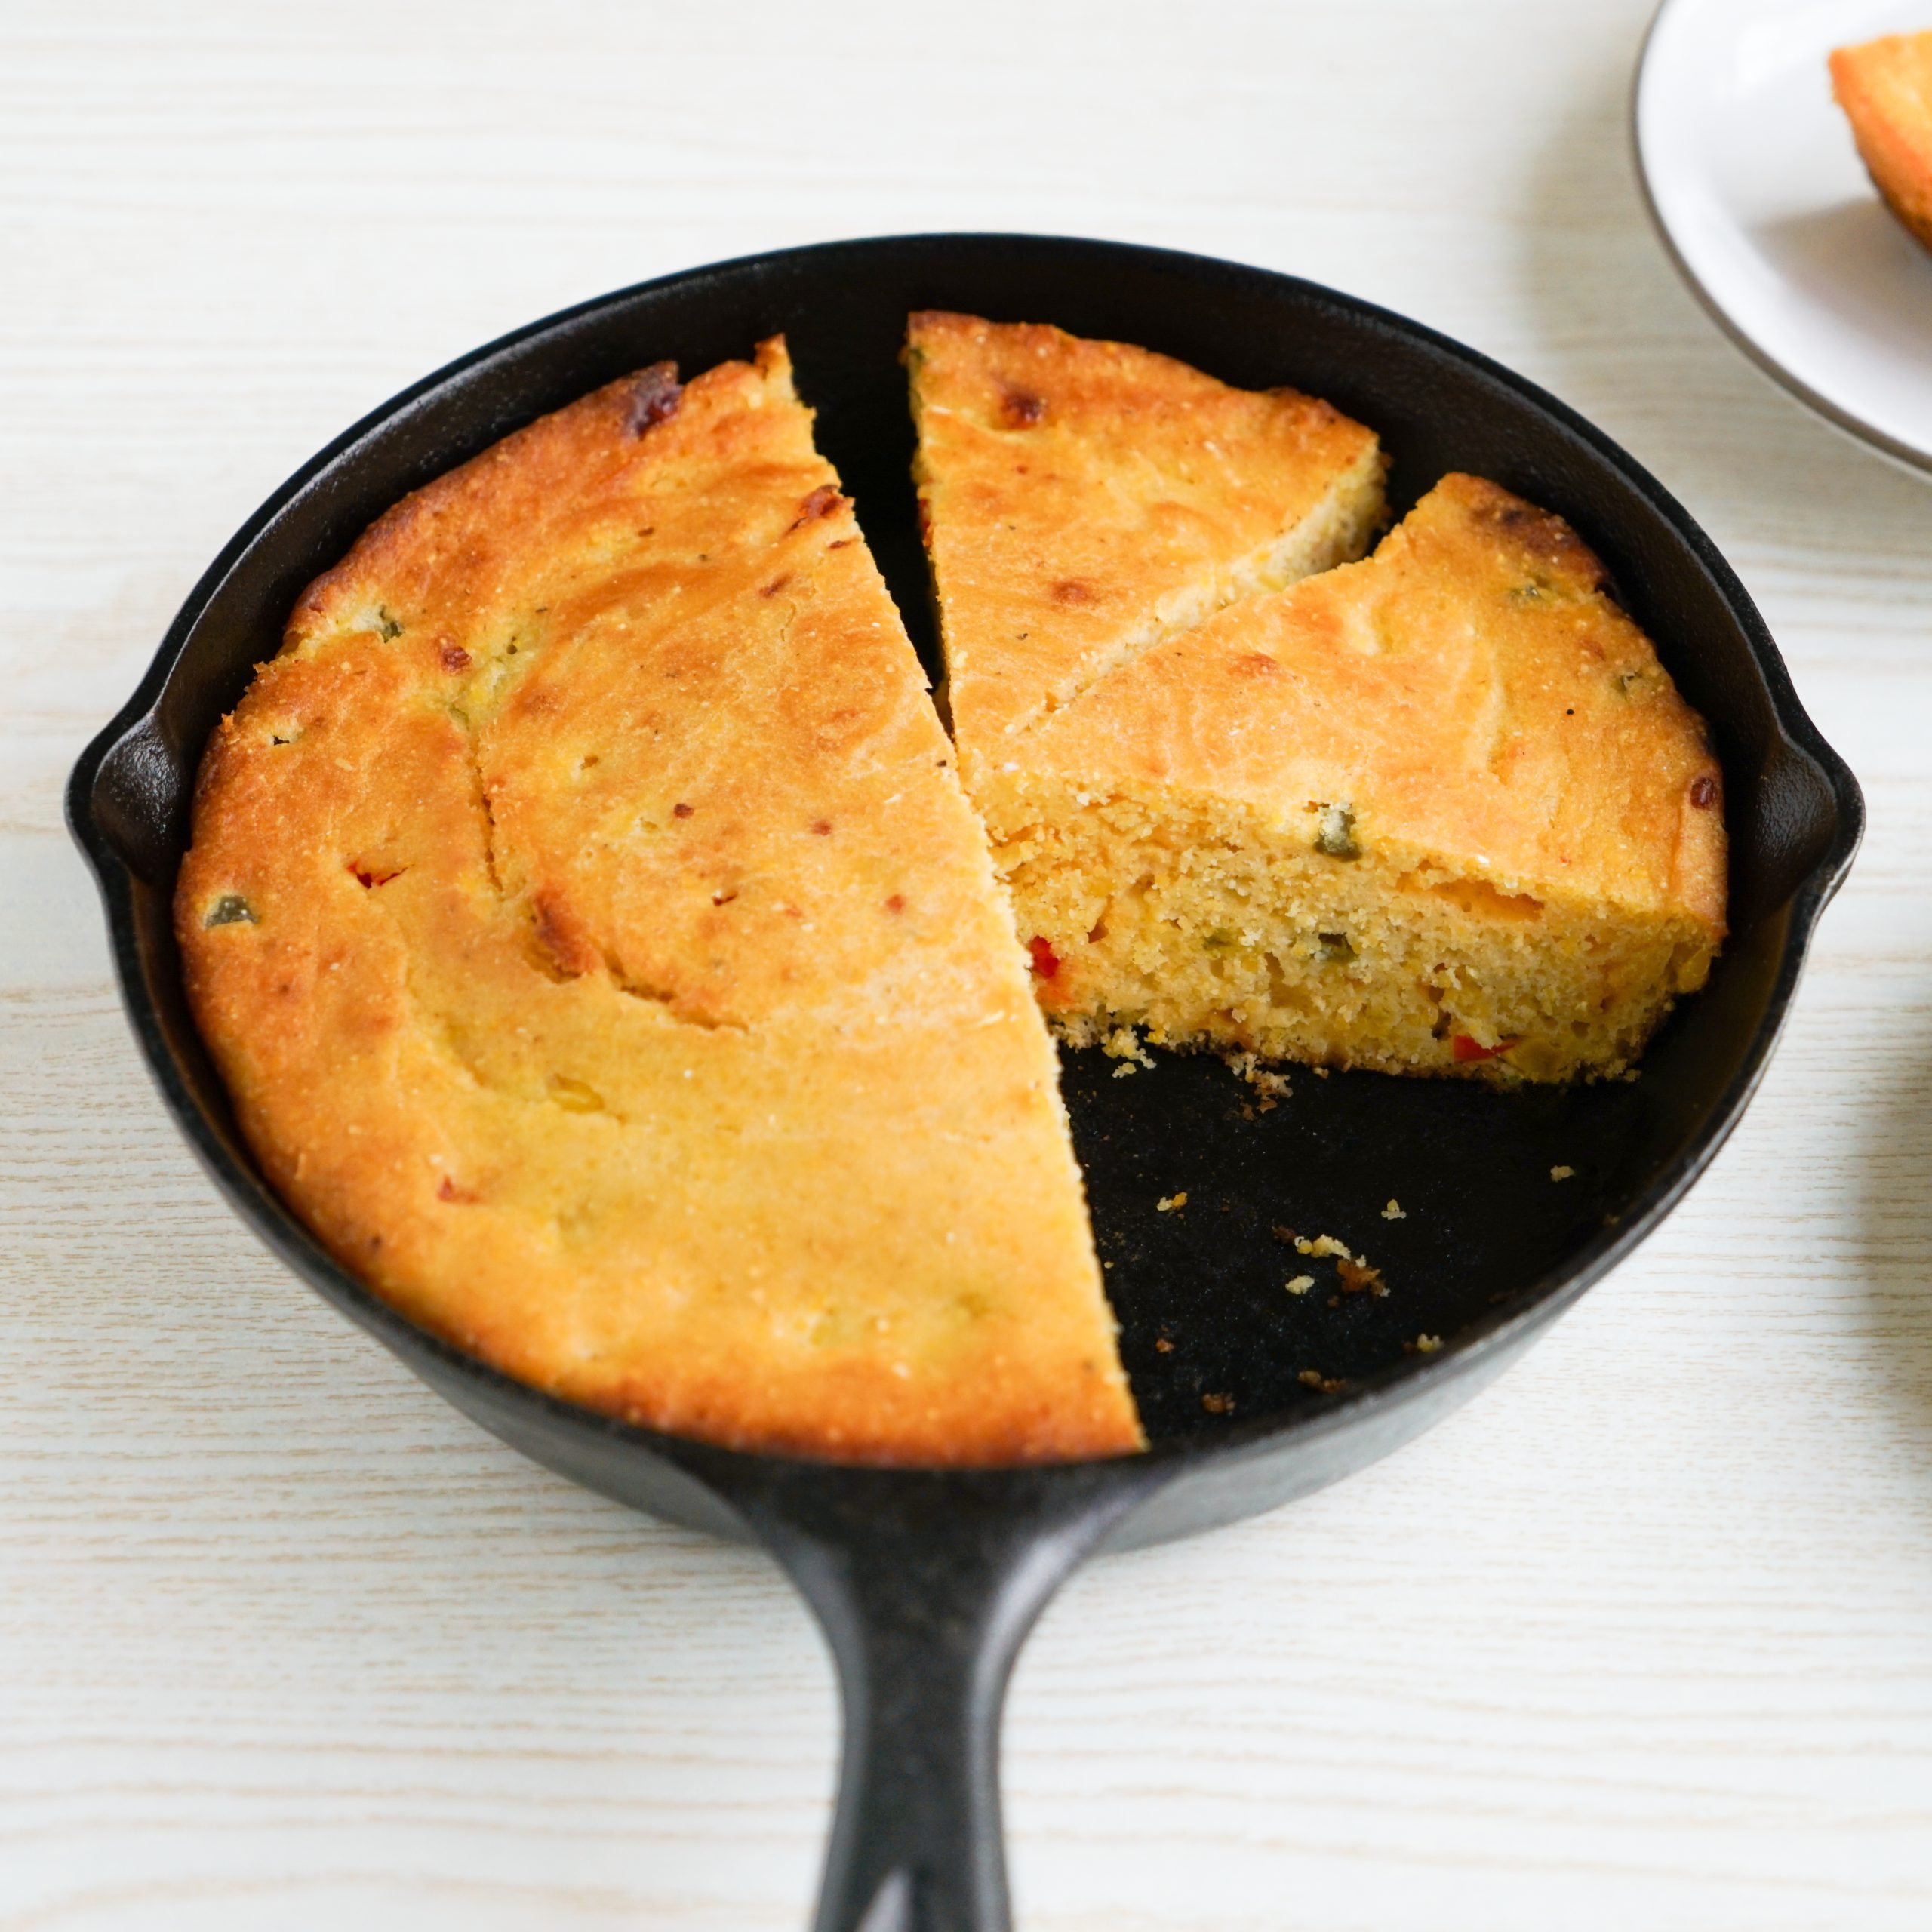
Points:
[605,962]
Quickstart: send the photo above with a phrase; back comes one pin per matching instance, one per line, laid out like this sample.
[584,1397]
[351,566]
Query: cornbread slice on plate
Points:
[1441,811]
[604,961]
[1084,499]
[1885,87]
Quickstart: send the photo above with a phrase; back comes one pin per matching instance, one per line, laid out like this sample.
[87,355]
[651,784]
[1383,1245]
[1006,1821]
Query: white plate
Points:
[1762,200]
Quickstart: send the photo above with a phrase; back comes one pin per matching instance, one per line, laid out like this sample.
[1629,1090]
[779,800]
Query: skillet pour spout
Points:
[926,1582]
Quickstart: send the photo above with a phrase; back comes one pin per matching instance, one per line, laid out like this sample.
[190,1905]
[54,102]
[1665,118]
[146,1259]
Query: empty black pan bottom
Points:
[1210,1333]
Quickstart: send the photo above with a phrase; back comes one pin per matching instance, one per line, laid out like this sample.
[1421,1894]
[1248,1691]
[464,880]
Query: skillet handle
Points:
[925,1587]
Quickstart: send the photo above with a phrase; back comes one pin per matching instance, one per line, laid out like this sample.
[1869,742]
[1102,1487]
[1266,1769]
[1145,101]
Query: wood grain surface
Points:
[1643,1638]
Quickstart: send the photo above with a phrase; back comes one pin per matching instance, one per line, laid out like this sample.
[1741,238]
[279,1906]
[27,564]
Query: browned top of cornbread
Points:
[1885,87]
[1470,691]
[604,961]
[1081,498]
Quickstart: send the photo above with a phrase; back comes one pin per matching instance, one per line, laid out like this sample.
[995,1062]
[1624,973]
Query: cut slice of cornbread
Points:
[605,962]
[1885,88]
[1441,811]
[1084,499]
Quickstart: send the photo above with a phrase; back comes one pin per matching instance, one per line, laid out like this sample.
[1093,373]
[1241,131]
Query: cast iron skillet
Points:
[926,1582]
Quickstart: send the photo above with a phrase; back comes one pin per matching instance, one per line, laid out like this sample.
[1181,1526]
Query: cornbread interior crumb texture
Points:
[585,914]
[1438,811]
[1885,87]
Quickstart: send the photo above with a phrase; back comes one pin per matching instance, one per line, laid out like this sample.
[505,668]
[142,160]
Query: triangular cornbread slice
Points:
[1440,811]
[1885,87]
[1083,499]
[604,961]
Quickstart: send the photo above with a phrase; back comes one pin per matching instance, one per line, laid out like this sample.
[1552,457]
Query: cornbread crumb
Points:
[1393,1212]
[1329,1385]
[1271,1085]
[1218,1405]
[1168,1203]
[1427,1345]
[1162,1346]
[1561,1173]
[1323,1244]
[1301,1285]
[1357,1275]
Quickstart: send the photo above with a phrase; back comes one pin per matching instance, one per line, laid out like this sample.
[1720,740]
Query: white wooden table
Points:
[1643,1638]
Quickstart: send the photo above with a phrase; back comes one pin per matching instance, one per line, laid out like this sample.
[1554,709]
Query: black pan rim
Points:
[1493,1339]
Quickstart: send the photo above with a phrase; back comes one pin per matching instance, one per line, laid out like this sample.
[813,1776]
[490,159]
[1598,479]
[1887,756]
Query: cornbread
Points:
[1441,811]
[604,959]
[1084,499]
[1885,87]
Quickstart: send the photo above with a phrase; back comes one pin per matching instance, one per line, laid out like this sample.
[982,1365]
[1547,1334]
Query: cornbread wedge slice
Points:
[604,961]
[1084,499]
[1885,87]
[1439,812]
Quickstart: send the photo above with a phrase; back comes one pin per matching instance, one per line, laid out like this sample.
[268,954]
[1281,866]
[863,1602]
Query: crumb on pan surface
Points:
[723,1107]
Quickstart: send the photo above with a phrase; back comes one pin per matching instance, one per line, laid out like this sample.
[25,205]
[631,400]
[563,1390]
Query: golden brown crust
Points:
[1885,87]
[588,921]
[1083,498]
[1471,690]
